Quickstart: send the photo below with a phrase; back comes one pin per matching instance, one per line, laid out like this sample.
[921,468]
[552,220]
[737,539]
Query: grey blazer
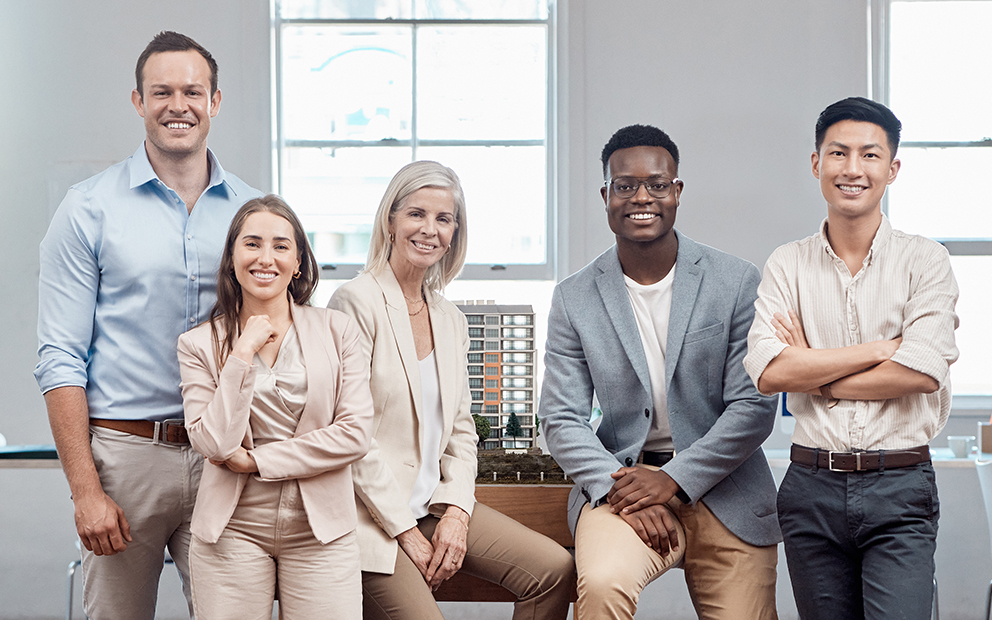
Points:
[718,418]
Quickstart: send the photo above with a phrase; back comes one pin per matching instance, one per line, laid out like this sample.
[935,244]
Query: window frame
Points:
[880,23]
[471,271]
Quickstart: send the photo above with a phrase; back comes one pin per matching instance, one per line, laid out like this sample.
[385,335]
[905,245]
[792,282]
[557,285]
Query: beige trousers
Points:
[728,579]
[535,568]
[268,547]
[156,487]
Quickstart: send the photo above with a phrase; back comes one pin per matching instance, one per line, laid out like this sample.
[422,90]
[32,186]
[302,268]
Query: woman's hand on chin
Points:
[257,333]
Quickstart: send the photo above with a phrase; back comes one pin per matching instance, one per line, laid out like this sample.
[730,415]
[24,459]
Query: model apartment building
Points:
[501,369]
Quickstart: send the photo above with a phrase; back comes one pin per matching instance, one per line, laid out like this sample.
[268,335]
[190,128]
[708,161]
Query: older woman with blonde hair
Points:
[417,483]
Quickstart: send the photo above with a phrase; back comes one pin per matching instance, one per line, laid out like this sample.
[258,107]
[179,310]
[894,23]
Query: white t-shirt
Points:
[430,438]
[652,304]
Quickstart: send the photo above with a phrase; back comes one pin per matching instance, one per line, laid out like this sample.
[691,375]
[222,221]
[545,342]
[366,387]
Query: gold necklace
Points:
[409,301]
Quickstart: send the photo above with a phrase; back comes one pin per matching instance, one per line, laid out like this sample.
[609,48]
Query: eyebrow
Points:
[864,147]
[190,85]
[258,237]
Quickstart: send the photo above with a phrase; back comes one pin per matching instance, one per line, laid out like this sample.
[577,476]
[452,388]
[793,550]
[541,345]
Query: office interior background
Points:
[737,85]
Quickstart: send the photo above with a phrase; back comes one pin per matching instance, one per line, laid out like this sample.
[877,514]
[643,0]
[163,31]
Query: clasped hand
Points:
[441,557]
[639,496]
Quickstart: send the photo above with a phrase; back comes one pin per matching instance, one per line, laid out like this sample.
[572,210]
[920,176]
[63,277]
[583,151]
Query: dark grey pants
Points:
[860,545]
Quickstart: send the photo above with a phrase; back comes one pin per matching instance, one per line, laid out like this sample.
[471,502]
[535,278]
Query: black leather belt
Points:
[656,459]
[870,460]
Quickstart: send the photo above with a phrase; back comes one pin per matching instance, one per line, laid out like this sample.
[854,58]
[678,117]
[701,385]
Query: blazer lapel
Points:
[399,321]
[684,290]
[314,357]
[612,289]
[447,354]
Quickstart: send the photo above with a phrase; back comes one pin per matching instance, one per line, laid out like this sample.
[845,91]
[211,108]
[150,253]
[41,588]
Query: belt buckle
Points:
[830,462]
[162,431]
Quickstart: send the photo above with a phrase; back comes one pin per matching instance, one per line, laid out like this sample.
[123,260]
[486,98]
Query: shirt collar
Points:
[882,236]
[142,171]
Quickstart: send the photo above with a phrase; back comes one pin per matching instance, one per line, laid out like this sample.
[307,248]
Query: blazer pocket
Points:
[703,334]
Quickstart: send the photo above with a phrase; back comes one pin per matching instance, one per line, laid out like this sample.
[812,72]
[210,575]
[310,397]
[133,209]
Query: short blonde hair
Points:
[410,178]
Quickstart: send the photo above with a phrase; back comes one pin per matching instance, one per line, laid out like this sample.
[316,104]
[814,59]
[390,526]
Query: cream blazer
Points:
[384,479]
[334,431]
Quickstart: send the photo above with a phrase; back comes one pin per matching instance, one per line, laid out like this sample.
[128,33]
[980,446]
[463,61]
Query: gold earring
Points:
[296,276]
[447,250]
[392,238]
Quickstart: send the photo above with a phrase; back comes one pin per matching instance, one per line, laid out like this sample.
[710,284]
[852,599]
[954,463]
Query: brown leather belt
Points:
[168,432]
[871,460]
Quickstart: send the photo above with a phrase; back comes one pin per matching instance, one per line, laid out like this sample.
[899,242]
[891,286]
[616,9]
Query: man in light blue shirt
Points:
[129,263]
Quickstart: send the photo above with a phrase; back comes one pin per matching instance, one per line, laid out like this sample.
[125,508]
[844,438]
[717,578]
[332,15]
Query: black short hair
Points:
[863,110]
[638,135]
[169,41]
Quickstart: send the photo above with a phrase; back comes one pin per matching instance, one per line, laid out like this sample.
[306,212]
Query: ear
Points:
[815,161]
[679,186]
[138,103]
[215,103]
[893,171]
[604,192]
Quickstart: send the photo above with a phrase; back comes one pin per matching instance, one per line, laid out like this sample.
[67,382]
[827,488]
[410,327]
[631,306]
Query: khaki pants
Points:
[156,487]
[268,547]
[728,579]
[535,568]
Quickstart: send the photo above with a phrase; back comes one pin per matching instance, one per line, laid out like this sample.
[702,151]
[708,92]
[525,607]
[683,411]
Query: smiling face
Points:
[422,229]
[642,218]
[176,104]
[265,257]
[854,166]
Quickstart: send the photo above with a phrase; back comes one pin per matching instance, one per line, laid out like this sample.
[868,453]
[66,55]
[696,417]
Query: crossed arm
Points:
[857,372]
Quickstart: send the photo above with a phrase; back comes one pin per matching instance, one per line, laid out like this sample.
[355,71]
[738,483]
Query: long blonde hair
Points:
[410,178]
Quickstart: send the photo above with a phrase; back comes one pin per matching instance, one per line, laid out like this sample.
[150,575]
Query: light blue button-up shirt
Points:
[125,269]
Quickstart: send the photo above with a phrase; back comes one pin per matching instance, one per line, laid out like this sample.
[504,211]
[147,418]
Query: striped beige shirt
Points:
[905,288]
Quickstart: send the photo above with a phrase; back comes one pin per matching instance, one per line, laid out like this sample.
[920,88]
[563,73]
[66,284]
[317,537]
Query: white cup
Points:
[960,445]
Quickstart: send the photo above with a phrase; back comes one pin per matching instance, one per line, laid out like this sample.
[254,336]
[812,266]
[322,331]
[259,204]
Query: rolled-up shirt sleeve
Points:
[929,319]
[775,294]
[67,295]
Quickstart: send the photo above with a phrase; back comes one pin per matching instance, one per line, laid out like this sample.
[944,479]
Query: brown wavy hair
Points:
[227,311]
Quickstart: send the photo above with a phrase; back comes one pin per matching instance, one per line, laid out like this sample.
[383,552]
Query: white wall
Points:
[737,85]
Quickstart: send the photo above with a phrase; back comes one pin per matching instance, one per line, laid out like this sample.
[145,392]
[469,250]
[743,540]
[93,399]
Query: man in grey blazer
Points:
[656,327]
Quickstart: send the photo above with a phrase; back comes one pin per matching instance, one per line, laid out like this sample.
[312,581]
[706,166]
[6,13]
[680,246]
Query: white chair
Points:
[984,469]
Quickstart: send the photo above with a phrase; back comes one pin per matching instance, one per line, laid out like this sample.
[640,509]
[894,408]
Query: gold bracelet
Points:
[457,520]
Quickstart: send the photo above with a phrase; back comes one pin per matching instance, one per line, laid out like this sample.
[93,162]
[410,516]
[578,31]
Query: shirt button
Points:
[192,320]
[629,461]
[647,413]
[189,236]
[192,278]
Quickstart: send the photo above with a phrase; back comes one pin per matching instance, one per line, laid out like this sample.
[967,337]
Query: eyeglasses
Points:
[627,187]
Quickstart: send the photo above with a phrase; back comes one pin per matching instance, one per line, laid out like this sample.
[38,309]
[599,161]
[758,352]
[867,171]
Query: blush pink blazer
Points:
[335,427]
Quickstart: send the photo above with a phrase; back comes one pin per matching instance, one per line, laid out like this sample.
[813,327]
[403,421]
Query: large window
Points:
[932,64]
[364,87]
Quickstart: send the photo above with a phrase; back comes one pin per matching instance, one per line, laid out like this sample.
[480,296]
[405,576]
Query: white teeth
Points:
[641,216]
[423,246]
[850,188]
[177,125]
[264,276]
